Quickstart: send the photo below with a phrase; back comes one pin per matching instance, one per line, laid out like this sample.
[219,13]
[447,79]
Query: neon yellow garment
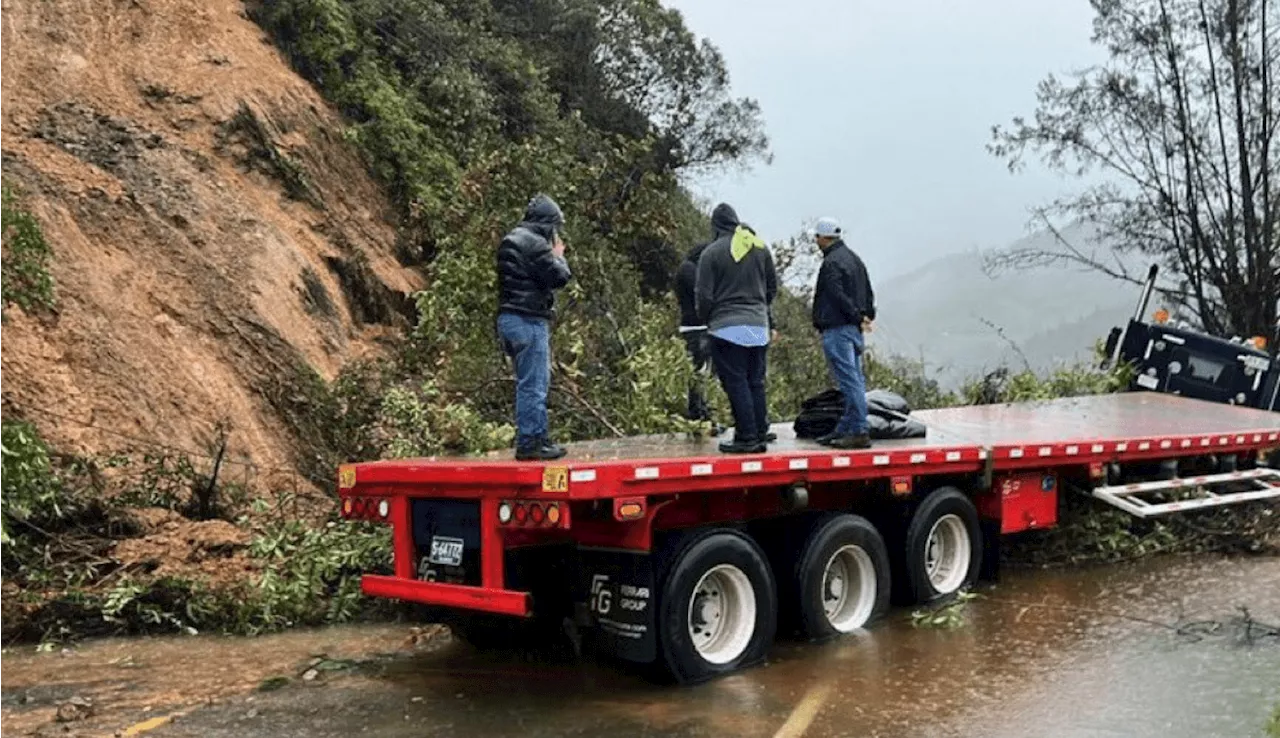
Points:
[743,241]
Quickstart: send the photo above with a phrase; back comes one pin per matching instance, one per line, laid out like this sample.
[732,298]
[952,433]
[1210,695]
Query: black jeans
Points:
[742,373]
[695,343]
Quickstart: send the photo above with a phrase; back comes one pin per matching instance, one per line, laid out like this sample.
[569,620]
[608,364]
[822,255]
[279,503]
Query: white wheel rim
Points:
[947,554]
[848,589]
[722,614]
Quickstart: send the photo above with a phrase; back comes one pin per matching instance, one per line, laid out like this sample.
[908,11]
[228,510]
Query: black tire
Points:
[951,504]
[827,535]
[693,561]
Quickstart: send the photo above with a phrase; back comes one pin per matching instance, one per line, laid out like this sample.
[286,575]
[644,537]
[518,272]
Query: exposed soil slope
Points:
[211,229]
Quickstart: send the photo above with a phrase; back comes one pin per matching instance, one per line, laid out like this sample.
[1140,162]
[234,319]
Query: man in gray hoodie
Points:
[736,284]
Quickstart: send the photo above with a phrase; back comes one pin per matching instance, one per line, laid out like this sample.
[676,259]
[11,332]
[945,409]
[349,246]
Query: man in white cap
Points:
[843,307]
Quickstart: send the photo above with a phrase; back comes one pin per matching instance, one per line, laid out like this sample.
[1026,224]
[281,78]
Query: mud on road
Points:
[1158,649]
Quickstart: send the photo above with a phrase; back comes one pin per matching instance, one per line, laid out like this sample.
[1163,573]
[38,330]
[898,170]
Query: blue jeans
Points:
[843,348]
[528,342]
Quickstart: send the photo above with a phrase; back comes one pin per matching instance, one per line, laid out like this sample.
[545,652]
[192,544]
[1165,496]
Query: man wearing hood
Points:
[693,330]
[531,267]
[734,289]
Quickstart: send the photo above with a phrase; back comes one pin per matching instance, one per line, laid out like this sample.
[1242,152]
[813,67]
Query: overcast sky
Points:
[879,112]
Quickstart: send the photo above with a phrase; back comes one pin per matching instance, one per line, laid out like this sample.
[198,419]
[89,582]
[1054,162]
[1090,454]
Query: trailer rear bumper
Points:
[482,599]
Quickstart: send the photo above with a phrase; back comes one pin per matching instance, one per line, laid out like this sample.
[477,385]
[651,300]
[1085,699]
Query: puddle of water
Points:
[170,672]
[1070,653]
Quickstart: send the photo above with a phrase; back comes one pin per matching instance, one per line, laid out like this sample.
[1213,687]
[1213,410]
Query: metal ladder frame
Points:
[1266,483]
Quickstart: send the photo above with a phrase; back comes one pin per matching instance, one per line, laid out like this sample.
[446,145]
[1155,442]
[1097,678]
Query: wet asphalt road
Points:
[1154,650]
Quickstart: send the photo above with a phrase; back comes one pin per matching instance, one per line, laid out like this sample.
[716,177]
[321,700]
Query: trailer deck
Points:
[603,535]
[1072,431]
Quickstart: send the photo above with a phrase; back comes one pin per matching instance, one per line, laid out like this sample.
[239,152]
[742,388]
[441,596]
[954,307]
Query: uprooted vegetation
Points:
[123,545]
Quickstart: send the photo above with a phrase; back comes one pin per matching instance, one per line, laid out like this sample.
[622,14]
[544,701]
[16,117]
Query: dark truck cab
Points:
[1179,360]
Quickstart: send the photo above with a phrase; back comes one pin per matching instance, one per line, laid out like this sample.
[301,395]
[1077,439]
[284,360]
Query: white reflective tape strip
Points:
[1257,438]
[1098,448]
[1015,453]
[752,466]
[1122,447]
[647,472]
[953,456]
[1223,441]
[700,470]
[1239,439]
[1205,441]
[582,475]
[982,453]
[798,464]
[1273,436]
[1166,444]
[881,460]
[1186,443]
[919,458]
[1046,451]
[1073,450]
[840,461]
[1144,446]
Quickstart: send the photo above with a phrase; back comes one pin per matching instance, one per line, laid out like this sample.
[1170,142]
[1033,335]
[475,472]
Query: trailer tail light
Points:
[1160,316]
[515,514]
[1097,470]
[366,508]
[900,486]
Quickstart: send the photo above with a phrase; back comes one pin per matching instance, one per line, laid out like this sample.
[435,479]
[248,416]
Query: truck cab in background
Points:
[1179,360]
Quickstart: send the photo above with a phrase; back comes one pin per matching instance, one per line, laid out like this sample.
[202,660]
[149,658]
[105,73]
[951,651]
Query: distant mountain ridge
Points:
[961,322]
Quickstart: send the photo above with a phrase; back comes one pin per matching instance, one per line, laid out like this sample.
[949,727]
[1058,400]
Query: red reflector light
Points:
[536,516]
[347,506]
[357,508]
[522,513]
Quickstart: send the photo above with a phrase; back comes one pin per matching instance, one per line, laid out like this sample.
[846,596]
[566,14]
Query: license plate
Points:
[446,551]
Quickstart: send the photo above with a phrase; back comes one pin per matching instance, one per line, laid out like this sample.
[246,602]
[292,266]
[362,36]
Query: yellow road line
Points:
[806,710]
[146,725]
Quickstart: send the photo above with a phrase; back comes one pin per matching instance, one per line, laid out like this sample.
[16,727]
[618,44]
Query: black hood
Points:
[543,214]
[724,220]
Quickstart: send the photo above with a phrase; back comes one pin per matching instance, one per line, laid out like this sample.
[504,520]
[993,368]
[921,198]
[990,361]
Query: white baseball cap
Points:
[827,228]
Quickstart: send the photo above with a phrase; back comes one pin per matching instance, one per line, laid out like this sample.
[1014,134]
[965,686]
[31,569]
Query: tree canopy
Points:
[1175,136]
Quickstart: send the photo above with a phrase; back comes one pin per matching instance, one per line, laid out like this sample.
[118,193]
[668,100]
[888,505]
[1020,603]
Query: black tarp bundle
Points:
[887,415]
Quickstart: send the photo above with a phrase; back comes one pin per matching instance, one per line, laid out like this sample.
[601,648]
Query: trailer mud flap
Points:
[620,597]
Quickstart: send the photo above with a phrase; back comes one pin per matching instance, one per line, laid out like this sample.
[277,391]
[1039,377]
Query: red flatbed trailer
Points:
[668,548]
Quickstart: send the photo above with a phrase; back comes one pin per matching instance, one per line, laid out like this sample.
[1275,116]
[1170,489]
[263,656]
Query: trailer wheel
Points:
[943,546]
[719,610]
[841,577]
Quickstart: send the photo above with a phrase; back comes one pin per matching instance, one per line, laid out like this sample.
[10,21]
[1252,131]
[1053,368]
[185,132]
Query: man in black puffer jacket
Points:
[531,267]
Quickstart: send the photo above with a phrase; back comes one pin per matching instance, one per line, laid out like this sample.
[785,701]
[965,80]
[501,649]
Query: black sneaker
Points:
[770,437]
[825,439]
[541,450]
[742,446]
[861,440]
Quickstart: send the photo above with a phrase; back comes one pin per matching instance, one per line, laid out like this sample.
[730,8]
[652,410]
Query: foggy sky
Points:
[879,112]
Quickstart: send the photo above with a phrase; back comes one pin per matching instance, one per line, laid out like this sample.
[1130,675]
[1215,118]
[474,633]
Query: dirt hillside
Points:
[211,230]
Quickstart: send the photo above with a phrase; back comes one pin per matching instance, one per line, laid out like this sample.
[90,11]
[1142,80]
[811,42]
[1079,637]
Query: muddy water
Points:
[1080,653]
